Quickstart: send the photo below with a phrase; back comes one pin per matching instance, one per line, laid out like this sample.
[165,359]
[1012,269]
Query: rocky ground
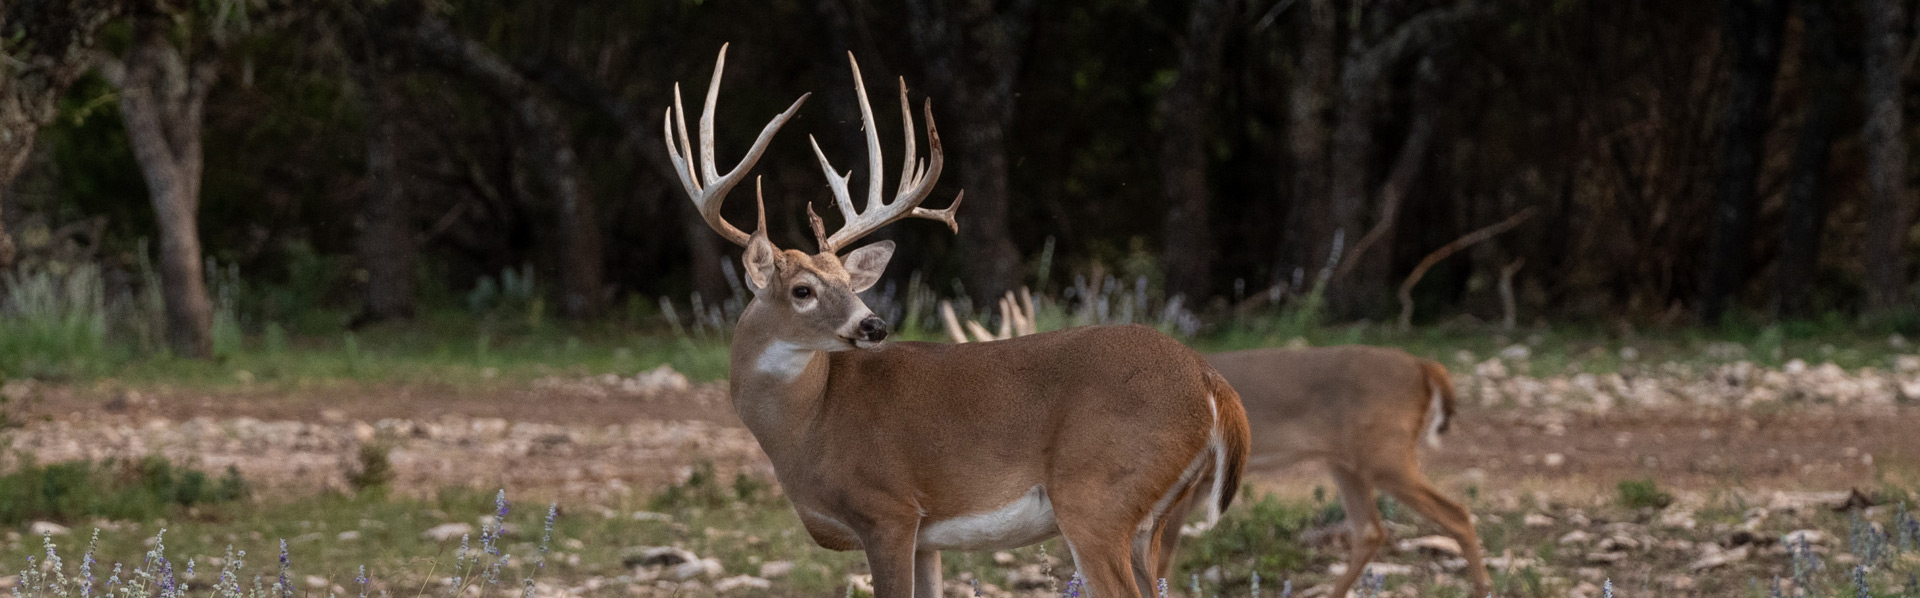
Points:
[1749,453]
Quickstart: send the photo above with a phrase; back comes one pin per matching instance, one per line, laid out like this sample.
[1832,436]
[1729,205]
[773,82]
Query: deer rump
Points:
[1354,405]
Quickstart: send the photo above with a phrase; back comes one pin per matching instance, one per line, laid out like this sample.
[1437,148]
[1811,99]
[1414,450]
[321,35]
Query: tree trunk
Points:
[1888,211]
[1189,245]
[162,98]
[703,247]
[1363,82]
[576,217]
[385,242]
[49,45]
[1752,39]
[971,51]
[1309,232]
[1806,210]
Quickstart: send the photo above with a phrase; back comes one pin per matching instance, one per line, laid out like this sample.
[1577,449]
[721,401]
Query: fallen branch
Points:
[1465,241]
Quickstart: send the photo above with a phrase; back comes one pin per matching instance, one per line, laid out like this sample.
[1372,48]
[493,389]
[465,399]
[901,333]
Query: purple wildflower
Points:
[1606,588]
[286,569]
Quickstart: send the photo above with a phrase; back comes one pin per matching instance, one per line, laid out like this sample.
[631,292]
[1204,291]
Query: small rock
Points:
[775,569]
[1516,353]
[349,535]
[1717,559]
[1678,519]
[651,516]
[1382,569]
[7,582]
[860,583]
[316,582]
[1606,557]
[1537,520]
[448,531]
[741,582]
[1554,460]
[1576,537]
[1029,577]
[1431,544]
[1003,558]
[1810,537]
[656,556]
[1680,583]
[707,567]
[1619,543]
[46,528]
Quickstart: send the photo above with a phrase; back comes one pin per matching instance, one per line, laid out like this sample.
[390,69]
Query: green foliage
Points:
[137,490]
[1256,535]
[53,322]
[374,470]
[1643,494]
[703,489]
[513,294]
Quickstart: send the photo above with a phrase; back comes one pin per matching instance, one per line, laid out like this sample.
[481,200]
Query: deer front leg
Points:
[926,573]
[891,558]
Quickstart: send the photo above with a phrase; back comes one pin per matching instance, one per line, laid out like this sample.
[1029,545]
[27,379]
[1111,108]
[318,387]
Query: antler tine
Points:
[916,180]
[874,157]
[707,187]
[909,166]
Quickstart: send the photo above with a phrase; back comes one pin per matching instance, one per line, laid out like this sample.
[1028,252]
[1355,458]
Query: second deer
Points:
[1362,411]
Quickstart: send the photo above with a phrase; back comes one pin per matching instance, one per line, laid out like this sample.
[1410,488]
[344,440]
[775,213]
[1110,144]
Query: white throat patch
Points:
[784,359]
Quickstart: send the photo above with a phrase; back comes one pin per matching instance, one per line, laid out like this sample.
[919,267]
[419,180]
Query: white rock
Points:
[1718,558]
[1606,557]
[741,582]
[1516,353]
[774,569]
[651,516]
[1537,520]
[448,531]
[1439,544]
[1554,459]
[349,535]
[1382,569]
[46,528]
[860,583]
[707,567]
[1812,537]
[1576,537]
[1678,519]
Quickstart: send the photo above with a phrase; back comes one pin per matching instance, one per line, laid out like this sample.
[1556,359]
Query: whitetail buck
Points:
[1361,410]
[906,449]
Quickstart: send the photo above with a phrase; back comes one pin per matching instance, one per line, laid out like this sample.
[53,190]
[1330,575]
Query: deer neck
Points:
[777,385]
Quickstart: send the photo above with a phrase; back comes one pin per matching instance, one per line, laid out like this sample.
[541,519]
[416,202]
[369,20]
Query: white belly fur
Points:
[1025,521]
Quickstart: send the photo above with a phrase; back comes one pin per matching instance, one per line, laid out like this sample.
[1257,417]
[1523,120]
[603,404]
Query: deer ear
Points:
[865,264]
[760,261]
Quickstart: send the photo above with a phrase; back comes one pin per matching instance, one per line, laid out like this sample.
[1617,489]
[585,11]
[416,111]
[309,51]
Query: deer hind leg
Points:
[1413,488]
[1100,535]
[926,574]
[1363,523]
[1169,536]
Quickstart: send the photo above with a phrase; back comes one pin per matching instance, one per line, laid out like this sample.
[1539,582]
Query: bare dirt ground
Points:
[590,438]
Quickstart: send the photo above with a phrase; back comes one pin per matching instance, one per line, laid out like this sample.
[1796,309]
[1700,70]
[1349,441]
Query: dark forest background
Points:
[1654,162]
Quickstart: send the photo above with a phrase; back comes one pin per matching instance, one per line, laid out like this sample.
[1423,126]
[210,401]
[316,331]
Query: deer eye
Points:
[802,292]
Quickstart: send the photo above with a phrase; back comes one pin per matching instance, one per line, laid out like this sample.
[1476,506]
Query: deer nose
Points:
[873,329]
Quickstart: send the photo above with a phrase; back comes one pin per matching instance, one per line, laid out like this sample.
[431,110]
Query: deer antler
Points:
[708,188]
[1016,319]
[916,177]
